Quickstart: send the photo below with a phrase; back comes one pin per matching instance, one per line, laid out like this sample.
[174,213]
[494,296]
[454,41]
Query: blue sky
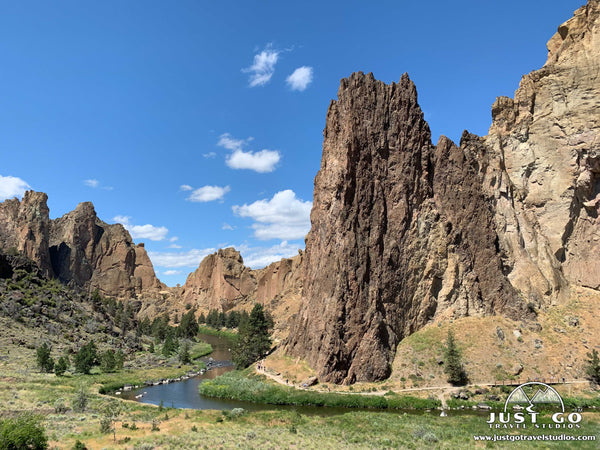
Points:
[198,124]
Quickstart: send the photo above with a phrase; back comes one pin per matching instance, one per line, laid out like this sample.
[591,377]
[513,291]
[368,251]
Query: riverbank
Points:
[249,387]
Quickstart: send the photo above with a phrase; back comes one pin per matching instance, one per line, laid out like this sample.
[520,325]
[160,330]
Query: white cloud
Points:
[230,143]
[12,187]
[91,183]
[185,187]
[173,260]
[142,231]
[171,272]
[174,246]
[263,161]
[282,217]
[226,226]
[259,257]
[263,66]
[148,232]
[208,193]
[209,155]
[174,238]
[300,78]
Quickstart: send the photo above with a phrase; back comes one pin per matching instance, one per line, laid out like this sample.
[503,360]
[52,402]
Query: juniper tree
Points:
[453,364]
[593,366]
[254,338]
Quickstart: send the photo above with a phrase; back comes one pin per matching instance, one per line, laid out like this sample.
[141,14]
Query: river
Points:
[184,394]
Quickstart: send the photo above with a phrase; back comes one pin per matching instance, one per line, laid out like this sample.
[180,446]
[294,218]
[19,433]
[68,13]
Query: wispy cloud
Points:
[95,184]
[12,187]
[263,161]
[171,272]
[208,193]
[282,217]
[228,227]
[91,183]
[263,66]
[259,257]
[142,231]
[300,78]
[209,155]
[174,260]
[227,141]
[186,187]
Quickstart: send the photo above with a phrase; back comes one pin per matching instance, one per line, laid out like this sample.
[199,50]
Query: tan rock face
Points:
[92,253]
[77,248]
[220,281]
[24,226]
[404,232]
[545,173]
[223,282]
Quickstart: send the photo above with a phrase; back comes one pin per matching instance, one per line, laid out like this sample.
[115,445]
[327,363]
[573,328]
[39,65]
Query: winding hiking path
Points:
[445,390]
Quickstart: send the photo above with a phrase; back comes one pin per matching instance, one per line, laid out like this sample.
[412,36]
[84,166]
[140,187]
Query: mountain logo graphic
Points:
[532,394]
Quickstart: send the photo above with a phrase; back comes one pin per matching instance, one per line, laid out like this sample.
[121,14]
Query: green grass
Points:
[219,333]
[200,349]
[241,385]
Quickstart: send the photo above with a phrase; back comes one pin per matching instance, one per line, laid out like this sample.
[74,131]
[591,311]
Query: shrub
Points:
[22,432]
[79,445]
[81,400]
[60,407]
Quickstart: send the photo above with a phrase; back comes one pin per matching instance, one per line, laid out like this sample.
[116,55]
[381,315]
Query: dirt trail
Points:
[445,390]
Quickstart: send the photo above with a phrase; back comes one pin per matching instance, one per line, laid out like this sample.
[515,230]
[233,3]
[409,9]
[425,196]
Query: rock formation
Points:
[222,282]
[25,228]
[77,248]
[405,232]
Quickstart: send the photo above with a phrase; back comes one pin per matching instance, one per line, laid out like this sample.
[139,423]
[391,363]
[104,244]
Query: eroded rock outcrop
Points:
[25,226]
[545,170]
[220,281]
[404,232]
[77,248]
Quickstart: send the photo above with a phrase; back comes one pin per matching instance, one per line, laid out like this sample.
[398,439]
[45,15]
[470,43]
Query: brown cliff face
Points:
[401,233]
[24,226]
[404,232]
[220,281]
[77,248]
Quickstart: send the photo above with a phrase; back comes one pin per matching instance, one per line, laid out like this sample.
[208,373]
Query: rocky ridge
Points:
[222,282]
[78,248]
[405,232]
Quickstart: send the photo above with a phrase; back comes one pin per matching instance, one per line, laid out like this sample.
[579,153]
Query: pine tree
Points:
[86,358]
[107,361]
[184,353]
[44,360]
[453,365]
[254,338]
[61,366]
[593,366]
